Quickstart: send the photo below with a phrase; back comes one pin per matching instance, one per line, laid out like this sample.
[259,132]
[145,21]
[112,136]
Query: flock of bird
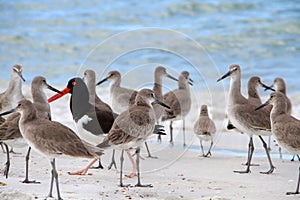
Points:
[133,117]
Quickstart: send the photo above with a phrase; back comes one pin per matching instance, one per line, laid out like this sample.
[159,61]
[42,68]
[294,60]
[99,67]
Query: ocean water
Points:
[60,39]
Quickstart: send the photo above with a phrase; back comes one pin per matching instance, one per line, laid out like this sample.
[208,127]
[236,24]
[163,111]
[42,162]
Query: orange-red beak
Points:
[57,96]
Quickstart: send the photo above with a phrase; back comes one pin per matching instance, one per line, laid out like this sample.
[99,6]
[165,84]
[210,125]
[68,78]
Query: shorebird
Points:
[285,127]
[179,101]
[9,99]
[9,130]
[280,86]
[13,94]
[51,139]
[91,122]
[121,97]
[159,73]
[132,127]
[243,116]
[205,129]
[253,98]
[90,80]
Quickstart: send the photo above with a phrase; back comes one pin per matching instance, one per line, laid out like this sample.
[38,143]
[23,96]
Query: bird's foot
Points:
[31,182]
[292,193]
[141,185]
[113,163]
[269,172]
[242,172]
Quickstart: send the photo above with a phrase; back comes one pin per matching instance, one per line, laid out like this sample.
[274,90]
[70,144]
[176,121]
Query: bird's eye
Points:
[44,81]
[73,83]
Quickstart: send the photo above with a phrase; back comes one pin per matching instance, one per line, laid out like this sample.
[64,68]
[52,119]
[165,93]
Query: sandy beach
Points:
[188,177]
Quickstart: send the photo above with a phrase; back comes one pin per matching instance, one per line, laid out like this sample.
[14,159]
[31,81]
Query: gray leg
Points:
[7,164]
[183,129]
[55,175]
[138,170]
[27,168]
[51,183]
[269,157]
[201,146]
[298,184]
[171,133]
[149,154]
[250,154]
[113,162]
[209,153]
[121,170]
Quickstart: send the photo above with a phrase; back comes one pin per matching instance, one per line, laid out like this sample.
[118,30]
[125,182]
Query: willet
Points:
[179,101]
[284,127]
[91,122]
[13,93]
[90,80]
[121,97]
[253,98]
[205,129]
[280,86]
[132,127]
[243,116]
[159,73]
[51,139]
[9,130]
[9,99]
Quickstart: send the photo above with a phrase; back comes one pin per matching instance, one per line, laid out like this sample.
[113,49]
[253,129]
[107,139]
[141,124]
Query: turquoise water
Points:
[55,38]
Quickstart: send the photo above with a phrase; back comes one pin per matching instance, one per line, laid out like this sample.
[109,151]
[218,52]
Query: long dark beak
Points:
[268,87]
[102,81]
[191,81]
[262,105]
[21,76]
[8,112]
[171,77]
[161,103]
[57,96]
[224,76]
[54,89]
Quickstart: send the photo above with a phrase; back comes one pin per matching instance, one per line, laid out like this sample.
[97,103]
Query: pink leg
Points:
[84,170]
[134,169]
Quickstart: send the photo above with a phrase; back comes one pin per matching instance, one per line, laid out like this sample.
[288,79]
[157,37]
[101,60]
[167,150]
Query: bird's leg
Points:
[113,162]
[27,168]
[201,146]
[280,153]
[133,173]
[269,157]
[159,136]
[51,183]
[298,184]
[183,130]
[250,153]
[55,175]
[138,170]
[209,153]
[7,164]
[149,154]
[250,150]
[171,133]
[121,169]
[269,143]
